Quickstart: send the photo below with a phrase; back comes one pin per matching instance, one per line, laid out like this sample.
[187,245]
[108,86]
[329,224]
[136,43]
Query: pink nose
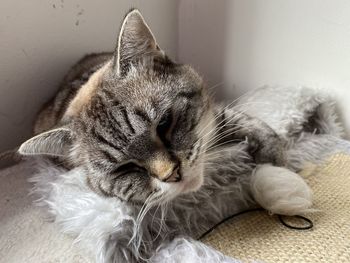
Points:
[174,176]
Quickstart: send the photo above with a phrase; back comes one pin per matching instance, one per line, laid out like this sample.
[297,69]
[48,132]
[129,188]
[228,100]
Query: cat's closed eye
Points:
[129,167]
[164,127]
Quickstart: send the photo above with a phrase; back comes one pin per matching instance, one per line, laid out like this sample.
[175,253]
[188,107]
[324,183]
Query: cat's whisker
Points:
[218,153]
[210,149]
[216,85]
[228,132]
[227,122]
[154,214]
[163,213]
[211,91]
[137,235]
[226,107]
[241,112]
[212,153]
[213,141]
[215,118]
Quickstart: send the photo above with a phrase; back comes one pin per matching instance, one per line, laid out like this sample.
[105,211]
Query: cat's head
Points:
[139,125]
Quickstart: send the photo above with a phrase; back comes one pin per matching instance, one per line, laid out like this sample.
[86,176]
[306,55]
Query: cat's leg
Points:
[264,144]
[277,189]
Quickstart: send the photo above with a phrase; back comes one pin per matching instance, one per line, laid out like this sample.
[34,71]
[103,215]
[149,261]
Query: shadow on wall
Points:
[202,37]
[207,41]
[248,44]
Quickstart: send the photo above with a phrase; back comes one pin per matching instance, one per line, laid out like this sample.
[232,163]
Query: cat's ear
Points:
[135,42]
[55,142]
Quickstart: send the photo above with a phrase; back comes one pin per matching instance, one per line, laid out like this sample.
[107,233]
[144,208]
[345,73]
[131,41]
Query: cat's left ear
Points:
[56,142]
[135,42]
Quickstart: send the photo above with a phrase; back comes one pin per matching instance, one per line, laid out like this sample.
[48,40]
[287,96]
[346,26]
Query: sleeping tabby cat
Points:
[145,130]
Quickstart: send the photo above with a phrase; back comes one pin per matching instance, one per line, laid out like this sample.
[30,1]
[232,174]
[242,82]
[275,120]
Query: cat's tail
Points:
[281,191]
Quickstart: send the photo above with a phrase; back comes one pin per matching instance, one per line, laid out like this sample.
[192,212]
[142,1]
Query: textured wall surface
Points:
[40,40]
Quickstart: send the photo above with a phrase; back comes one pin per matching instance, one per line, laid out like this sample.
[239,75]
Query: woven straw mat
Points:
[257,236]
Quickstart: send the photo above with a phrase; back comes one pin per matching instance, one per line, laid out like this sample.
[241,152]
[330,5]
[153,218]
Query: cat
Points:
[136,112]
[145,131]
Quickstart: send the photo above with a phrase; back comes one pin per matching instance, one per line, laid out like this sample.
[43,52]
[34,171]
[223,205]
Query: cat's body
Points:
[143,133]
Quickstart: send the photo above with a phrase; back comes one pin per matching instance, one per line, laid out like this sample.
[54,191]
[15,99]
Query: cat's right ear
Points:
[56,142]
[135,41]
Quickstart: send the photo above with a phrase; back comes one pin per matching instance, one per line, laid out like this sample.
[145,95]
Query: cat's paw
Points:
[280,190]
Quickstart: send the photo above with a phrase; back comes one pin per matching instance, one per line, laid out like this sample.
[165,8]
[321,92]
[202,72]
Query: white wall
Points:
[276,42]
[202,32]
[40,40]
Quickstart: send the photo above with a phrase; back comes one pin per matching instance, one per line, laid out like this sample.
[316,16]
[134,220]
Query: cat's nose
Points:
[165,168]
[173,176]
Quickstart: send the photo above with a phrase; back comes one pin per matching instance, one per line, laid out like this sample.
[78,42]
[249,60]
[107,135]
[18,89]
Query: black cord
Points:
[228,218]
[280,217]
[308,226]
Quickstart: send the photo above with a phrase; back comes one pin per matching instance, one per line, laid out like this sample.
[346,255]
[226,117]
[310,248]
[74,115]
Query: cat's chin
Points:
[193,179]
[192,184]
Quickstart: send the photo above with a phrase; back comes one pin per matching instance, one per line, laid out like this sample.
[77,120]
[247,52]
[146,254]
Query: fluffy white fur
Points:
[286,109]
[280,190]
[186,250]
[91,218]
[105,227]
